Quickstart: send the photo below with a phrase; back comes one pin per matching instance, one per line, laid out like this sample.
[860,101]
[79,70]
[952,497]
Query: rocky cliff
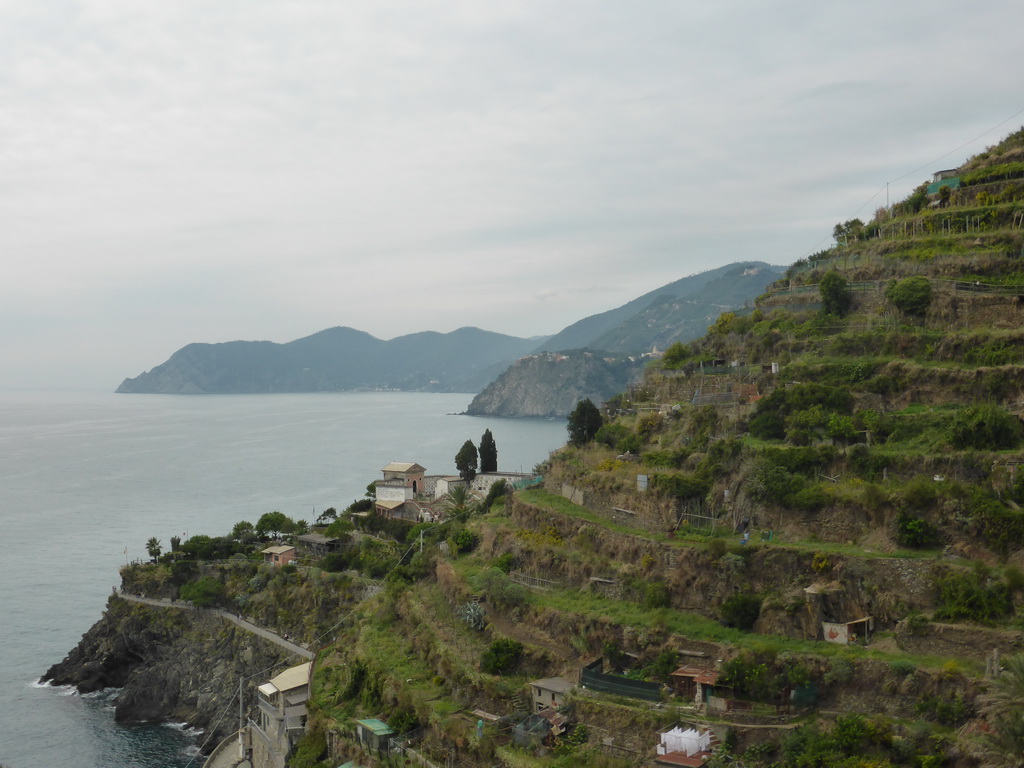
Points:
[551,383]
[171,664]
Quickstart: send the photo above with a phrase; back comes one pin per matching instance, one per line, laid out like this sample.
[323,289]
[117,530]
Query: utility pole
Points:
[241,721]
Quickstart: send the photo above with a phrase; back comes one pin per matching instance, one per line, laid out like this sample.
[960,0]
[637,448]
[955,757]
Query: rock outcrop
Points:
[551,383]
[171,664]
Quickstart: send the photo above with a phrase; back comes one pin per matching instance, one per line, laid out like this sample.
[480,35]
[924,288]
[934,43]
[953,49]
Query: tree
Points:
[584,421]
[488,453]
[273,523]
[848,230]
[835,294]
[466,461]
[153,547]
[327,516]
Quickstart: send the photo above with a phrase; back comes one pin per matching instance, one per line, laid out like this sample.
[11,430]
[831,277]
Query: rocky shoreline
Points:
[171,665]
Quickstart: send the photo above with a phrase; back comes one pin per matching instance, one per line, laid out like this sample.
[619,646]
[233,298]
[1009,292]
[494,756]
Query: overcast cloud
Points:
[206,171]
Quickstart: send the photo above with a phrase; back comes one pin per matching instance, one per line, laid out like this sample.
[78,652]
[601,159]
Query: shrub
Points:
[732,563]
[902,667]
[741,610]
[663,665]
[974,596]
[716,548]
[310,749]
[403,721]
[840,671]
[497,491]
[917,623]
[947,711]
[683,485]
[811,498]
[665,459]
[751,676]
[505,562]
[912,531]
[463,540]
[336,561]
[821,562]
[501,591]
[203,592]
[920,493]
[611,434]
[1001,527]
[1014,578]
[657,595]
[984,427]
[773,484]
[912,295]
[677,354]
[502,657]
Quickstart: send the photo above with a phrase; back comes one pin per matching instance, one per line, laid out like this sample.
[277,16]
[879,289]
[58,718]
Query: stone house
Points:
[549,692]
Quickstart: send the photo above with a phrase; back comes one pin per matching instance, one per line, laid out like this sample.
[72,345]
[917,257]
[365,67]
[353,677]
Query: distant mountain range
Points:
[680,310]
[606,349]
[337,359]
[468,359]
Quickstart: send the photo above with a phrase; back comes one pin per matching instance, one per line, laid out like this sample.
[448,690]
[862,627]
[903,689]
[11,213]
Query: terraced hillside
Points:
[801,533]
[845,462]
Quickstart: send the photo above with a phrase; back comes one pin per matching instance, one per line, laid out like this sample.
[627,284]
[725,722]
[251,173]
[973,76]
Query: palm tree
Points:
[153,547]
[1004,708]
[459,497]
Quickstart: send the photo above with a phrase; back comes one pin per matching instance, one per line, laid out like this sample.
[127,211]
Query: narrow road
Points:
[266,634]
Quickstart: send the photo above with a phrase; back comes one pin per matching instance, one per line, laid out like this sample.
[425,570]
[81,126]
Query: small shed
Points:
[282,554]
[848,632]
[694,683]
[374,734]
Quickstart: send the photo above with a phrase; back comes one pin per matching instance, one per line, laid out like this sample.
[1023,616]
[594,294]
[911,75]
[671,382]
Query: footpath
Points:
[266,634]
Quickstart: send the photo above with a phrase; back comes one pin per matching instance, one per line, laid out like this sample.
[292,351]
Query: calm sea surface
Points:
[86,478]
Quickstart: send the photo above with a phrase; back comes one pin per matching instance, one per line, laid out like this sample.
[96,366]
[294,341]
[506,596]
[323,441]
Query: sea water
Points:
[86,478]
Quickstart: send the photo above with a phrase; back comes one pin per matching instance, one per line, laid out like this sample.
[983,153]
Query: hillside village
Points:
[798,541]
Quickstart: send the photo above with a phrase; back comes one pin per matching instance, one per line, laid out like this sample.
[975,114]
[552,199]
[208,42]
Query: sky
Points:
[177,172]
